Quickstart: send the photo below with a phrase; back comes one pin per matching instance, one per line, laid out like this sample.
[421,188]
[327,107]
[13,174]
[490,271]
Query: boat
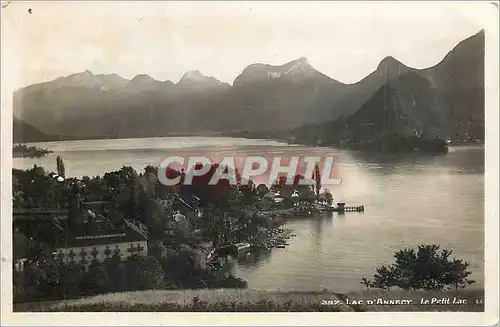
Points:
[243,247]
[211,255]
[231,250]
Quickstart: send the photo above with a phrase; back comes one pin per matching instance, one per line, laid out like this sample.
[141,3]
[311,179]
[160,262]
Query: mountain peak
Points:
[294,70]
[143,82]
[84,79]
[389,62]
[142,78]
[193,76]
[302,61]
[390,67]
[195,79]
[82,75]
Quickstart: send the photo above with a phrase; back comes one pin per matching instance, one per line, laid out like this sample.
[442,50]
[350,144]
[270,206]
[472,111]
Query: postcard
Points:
[218,163]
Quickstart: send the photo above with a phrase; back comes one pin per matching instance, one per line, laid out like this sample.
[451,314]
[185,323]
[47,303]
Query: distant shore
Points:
[234,134]
[24,151]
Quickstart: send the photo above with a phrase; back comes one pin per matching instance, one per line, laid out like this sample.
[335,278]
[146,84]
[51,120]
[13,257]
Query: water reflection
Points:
[251,258]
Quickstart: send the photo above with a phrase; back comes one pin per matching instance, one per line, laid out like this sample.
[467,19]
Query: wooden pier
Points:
[341,208]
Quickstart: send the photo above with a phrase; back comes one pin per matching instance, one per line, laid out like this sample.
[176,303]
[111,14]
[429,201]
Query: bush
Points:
[424,269]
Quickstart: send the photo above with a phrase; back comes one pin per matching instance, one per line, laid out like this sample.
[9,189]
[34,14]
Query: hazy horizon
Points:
[345,41]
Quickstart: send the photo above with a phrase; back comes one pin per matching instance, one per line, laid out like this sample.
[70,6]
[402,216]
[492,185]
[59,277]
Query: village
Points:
[95,225]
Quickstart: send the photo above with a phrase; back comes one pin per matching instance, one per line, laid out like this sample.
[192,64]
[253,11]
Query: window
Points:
[107,252]
[94,253]
[60,256]
[83,256]
[72,255]
[134,250]
[139,248]
[116,251]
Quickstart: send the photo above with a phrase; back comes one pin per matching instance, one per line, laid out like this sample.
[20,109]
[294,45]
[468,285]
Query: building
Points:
[186,205]
[181,221]
[276,197]
[269,196]
[98,240]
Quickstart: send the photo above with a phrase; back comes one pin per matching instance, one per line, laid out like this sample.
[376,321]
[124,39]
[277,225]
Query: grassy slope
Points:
[255,300]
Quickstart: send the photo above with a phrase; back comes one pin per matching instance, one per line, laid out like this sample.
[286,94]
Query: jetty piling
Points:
[342,208]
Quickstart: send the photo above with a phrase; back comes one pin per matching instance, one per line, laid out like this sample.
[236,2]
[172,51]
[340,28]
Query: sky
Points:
[345,41]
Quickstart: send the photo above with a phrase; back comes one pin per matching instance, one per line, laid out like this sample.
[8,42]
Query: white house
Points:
[102,241]
[274,196]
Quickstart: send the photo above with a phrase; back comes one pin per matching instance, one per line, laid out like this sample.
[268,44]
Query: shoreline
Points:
[24,151]
[211,135]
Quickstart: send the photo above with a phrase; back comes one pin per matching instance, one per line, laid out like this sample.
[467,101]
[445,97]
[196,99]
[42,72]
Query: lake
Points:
[408,201]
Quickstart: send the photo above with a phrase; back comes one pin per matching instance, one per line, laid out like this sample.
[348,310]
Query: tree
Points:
[327,196]
[155,217]
[117,270]
[155,276]
[317,179]
[60,167]
[262,189]
[96,279]
[181,267]
[71,279]
[280,183]
[422,269]
[41,276]
[17,192]
[144,272]
[305,189]
[248,192]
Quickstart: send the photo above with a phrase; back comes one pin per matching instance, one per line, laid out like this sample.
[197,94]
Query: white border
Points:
[484,13]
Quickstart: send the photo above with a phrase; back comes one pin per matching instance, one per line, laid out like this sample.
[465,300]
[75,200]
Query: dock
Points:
[341,208]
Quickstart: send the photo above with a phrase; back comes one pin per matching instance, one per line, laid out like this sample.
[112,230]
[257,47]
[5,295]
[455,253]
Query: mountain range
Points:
[447,99]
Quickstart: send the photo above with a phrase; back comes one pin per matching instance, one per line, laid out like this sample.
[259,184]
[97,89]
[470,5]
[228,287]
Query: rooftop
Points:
[99,230]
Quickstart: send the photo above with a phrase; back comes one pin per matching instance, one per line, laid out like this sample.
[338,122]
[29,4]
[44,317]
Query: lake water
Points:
[408,202]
